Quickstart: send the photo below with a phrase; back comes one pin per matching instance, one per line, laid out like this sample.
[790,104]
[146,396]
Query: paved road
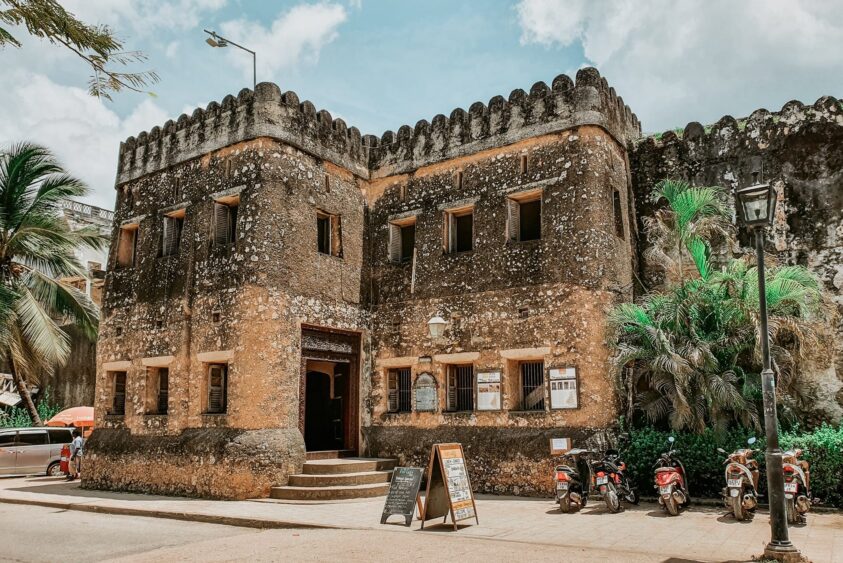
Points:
[35,534]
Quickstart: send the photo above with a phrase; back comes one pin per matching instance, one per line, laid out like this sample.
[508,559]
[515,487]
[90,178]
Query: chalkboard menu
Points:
[425,391]
[448,486]
[403,494]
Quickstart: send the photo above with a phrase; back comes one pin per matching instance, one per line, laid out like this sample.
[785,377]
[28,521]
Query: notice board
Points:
[403,494]
[448,486]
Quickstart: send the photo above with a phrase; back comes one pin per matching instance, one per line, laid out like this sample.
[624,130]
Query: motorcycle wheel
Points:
[671,506]
[737,507]
[633,497]
[565,504]
[613,503]
[792,514]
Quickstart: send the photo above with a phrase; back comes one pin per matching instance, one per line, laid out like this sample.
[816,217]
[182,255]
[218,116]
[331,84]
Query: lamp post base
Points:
[783,552]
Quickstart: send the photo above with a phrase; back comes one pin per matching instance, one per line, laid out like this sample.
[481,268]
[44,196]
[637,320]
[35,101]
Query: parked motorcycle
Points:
[797,491]
[610,479]
[573,480]
[671,481]
[740,494]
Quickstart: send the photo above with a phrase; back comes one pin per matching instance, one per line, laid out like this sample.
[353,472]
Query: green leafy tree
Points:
[95,44]
[692,345]
[37,250]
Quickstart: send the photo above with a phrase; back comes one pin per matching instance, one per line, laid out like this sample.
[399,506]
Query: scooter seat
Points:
[665,469]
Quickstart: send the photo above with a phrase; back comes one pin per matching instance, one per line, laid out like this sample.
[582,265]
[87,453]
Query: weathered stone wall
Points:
[72,385]
[799,150]
[220,463]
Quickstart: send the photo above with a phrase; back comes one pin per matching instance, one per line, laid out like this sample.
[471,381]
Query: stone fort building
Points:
[274,274]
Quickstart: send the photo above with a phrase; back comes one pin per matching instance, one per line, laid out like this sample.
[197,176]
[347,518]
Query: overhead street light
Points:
[215,40]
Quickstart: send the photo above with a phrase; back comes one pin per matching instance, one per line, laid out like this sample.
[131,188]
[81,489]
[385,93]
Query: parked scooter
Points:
[740,494]
[573,480]
[611,480]
[797,486]
[671,481]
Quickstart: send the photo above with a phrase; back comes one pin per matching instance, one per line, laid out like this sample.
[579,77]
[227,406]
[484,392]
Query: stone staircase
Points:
[338,479]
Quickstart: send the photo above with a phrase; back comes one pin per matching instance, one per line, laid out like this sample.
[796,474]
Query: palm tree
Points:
[37,250]
[693,343]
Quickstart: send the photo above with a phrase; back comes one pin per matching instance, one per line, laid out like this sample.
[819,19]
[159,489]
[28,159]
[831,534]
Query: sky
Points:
[380,64]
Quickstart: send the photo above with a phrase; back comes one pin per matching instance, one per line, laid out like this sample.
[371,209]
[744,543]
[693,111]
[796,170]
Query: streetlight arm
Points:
[254,55]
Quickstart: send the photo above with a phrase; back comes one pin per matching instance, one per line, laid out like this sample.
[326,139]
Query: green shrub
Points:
[18,417]
[704,464]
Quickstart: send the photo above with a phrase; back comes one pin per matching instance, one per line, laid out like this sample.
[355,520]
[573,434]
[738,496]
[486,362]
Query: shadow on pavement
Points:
[73,489]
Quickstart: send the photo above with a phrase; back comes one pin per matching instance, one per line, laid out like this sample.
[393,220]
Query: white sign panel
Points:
[489,391]
[559,445]
[563,388]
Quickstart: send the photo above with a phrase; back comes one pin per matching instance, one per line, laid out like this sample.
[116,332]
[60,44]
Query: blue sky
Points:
[380,64]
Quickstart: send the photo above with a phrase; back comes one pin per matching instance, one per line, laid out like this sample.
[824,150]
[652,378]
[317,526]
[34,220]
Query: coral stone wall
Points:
[505,301]
[799,150]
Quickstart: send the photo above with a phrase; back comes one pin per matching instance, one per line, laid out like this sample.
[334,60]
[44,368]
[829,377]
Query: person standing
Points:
[76,447]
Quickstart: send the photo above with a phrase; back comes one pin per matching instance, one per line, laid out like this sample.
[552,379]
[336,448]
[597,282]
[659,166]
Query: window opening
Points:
[225,221]
[532,386]
[217,382]
[618,210]
[523,164]
[461,388]
[400,390]
[118,393]
[127,246]
[171,235]
[524,217]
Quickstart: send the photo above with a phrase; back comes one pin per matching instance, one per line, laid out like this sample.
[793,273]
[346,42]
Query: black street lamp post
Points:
[756,207]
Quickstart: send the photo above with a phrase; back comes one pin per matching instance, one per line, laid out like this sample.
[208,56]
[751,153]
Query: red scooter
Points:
[671,481]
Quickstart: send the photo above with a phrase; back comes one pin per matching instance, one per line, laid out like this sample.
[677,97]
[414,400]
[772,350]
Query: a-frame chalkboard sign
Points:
[448,486]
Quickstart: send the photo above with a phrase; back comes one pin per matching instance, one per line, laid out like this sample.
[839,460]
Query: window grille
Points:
[400,390]
[532,386]
[461,388]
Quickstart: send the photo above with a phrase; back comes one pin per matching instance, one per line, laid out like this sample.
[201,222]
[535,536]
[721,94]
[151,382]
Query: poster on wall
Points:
[563,388]
[425,393]
[489,391]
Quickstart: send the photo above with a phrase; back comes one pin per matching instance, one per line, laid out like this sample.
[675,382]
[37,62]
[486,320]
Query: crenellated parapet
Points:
[759,131]
[545,109]
[266,112]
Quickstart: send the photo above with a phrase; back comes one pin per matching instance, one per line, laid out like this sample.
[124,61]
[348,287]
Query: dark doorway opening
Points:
[328,416]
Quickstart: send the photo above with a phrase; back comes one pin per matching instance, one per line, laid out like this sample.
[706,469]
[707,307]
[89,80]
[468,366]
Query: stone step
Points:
[330,493]
[340,479]
[330,454]
[347,465]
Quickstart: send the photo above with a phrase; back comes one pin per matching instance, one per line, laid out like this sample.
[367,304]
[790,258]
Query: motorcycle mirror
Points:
[751,441]
[721,450]
[671,439]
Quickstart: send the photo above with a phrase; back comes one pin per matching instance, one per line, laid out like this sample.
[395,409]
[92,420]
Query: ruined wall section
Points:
[799,150]
[565,104]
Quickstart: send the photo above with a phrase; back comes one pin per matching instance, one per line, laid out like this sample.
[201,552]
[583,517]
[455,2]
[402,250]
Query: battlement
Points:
[565,104]
[266,112]
[760,129]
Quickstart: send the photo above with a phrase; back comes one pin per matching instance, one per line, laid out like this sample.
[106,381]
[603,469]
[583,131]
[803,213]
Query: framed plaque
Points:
[489,391]
[424,391]
[563,388]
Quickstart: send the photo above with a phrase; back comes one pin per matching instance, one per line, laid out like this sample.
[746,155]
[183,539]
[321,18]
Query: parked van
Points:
[30,451]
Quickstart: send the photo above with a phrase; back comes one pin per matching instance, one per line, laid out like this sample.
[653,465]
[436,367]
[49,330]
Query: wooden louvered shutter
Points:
[336,235]
[394,243]
[216,388]
[513,219]
[452,232]
[222,226]
[171,236]
[392,391]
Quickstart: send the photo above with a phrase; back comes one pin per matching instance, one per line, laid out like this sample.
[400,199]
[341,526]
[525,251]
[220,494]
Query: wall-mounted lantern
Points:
[436,326]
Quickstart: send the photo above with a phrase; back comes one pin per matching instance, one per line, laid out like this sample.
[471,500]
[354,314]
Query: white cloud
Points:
[80,130]
[675,61]
[294,37]
[143,16]
[172,49]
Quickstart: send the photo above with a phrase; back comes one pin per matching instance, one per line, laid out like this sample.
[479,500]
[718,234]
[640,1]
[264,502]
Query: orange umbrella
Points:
[76,416]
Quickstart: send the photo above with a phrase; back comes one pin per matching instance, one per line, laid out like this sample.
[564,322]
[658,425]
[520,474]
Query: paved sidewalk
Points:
[701,534]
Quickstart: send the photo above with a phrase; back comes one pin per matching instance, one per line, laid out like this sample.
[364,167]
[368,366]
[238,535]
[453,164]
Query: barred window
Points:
[461,388]
[399,390]
[532,386]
